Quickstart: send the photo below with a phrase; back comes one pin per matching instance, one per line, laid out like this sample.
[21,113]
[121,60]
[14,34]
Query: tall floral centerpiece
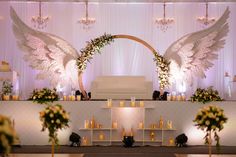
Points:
[7,135]
[210,119]
[44,96]
[54,118]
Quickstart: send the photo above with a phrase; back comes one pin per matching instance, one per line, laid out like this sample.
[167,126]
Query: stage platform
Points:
[45,155]
[28,125]
[120,151]
[205,155]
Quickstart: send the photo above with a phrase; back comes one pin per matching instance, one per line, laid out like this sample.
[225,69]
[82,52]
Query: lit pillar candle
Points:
[6,97]
[171,142]
[78,97]
[183,97]
[168,97]
[86,124]
[85,141]
[122,103]
[64,98]
[132,103]
[72,98]
[140,125]
[114,125]
[101,136]
[109,102]
[179,97]
[174,97]
[141,104]
[15,97]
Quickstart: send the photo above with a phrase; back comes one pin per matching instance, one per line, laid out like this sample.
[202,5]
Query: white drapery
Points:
[123,57]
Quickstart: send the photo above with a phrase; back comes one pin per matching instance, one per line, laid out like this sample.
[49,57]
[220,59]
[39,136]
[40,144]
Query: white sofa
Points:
[121,87]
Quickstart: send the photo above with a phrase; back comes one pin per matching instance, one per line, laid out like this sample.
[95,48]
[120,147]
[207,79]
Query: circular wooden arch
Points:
[80,74]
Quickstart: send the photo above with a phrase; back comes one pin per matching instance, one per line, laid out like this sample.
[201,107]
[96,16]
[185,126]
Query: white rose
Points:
[58,121]
[51,115]
[207,122]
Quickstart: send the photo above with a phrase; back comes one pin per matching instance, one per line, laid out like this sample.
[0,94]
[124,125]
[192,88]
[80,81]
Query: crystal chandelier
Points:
[163,23]
[205,20]
[40,21]
[87,21]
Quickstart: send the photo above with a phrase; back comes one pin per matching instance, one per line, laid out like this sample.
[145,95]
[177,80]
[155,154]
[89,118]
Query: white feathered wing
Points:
[53,56]
[193,54]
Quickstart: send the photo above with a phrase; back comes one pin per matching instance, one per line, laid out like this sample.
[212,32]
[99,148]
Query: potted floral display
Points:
[54,118]
[6,90]
[210,119]
[44,96]
[7,135]
[205,95]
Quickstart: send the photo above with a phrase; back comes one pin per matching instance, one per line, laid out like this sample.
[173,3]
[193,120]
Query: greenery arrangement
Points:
[92,47]
[7,135]
[205,95]
[44,96]
[54,118]
[211,119]
[7,88]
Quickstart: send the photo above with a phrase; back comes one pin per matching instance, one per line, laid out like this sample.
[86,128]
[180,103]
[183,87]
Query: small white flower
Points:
[51,115]
[58,121]
[207,122]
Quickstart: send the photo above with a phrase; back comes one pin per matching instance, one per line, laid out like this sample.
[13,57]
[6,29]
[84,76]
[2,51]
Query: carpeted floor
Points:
[119,151]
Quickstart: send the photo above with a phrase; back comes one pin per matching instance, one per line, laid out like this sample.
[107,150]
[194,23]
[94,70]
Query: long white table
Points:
[28,125]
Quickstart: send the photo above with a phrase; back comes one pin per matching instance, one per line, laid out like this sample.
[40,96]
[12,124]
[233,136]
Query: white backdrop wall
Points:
[123,57]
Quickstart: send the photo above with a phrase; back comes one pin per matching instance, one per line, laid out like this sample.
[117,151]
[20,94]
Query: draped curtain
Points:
[123,57]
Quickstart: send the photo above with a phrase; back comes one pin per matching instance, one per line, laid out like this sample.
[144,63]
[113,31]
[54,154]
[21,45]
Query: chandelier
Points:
[205,20]
[40,21]
[164,23]
[87,21]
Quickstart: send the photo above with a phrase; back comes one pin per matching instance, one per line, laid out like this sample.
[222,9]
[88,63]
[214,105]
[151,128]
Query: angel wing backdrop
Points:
[122,57]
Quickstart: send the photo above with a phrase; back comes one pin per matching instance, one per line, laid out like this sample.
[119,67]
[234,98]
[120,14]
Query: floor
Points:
[119,151]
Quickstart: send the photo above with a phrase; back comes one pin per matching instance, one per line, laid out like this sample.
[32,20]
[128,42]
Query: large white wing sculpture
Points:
[53,56]
[189,57]
[192,55]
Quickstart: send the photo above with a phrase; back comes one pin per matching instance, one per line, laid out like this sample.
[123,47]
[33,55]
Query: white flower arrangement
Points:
[7,135]
[54,118]
[211,119]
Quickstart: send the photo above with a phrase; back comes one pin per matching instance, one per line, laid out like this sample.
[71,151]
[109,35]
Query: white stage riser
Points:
[28,125]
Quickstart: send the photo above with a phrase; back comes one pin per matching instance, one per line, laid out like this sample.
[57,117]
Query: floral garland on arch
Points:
[95,45]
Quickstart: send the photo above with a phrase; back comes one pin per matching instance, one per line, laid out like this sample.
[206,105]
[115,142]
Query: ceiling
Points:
[128,1]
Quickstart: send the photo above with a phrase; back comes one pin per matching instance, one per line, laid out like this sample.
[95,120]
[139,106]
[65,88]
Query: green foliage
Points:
[44,96]
[92,47]
[7,88]
[205,95]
